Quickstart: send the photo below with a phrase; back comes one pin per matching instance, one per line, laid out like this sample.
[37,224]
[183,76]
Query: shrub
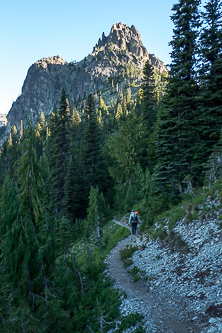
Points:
[127,262]
[129,321]
[134,272]
[127,251]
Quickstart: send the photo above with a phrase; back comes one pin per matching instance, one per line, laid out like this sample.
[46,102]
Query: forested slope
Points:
[63,179]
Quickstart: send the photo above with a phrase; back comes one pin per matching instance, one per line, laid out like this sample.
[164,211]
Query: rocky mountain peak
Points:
[44,62]
[115,65]
[125,38]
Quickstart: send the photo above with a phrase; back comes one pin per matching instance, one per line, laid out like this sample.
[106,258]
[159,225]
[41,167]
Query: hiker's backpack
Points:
[133,218]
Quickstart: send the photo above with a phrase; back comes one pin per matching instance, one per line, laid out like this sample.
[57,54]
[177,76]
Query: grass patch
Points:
[172,216]
[138,274]
[128,262]
[135,273]
[140,329]
[85,251]
[129,321]
[127,251]
[171,238]
[191,208]
[113,236]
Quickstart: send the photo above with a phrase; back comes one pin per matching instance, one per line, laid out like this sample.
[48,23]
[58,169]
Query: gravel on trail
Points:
[166,306]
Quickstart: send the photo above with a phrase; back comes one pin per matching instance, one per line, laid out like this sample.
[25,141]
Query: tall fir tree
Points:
[125,147]
[177,129]
[22,230]
[92,144]
[59,142]
[76,199]
[149,99]
[210,76]
[146,107]
[12,152]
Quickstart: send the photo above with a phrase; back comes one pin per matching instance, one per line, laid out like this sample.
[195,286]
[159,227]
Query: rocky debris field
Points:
[179,290]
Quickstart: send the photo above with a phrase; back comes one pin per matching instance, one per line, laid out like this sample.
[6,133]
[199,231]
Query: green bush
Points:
[131,320]
[140,329]
[134,272]
[127,251]
[111,239]
[127,263]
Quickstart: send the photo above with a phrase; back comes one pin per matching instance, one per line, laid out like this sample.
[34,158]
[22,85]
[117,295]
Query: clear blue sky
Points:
[31,30]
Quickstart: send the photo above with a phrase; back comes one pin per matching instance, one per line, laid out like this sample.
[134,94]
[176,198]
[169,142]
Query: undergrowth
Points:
[101,297]
[197,206]
[128,251]
[131,320]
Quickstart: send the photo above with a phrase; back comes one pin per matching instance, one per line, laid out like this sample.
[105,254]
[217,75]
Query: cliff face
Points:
[125,38]
[116,61]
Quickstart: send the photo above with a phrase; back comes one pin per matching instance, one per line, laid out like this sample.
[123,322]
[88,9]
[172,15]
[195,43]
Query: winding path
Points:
[164,313]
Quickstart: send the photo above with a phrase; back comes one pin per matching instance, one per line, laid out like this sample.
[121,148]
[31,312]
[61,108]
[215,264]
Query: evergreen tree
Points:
[76,200]
[30,194]
[105,115]
[11,250]
[59,142]
[211,77]
[75,118]
[125,149]
[177,128]
[93,215]
[22,216]
[3,163]
[12,152]
[119,112]
[42,121]
[39,141]
[146,108]
[21,132]
[149,101]
[139,99]
[92,145]
[213,166]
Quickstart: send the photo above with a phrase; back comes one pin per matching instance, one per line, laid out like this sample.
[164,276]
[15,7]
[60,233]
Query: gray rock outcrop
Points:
[116,61]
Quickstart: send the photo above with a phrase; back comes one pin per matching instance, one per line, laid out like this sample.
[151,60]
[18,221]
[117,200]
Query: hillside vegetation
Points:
[63,178]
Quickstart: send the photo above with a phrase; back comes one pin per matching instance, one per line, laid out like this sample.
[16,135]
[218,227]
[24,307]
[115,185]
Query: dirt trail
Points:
[165,313]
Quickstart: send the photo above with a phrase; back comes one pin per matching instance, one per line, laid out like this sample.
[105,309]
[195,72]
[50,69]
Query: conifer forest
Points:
[63,179]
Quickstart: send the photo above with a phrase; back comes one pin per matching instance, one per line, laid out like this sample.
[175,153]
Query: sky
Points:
[32,30]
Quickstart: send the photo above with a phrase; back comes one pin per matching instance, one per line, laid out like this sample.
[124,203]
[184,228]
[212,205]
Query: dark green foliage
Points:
[92,144]
[127,252]
[110,239]
[213,170]
[140,329]
[59,142]
[210,75]
[149,101]
[176,139]
[129,321]
[125,147]
[134,272]
[147,107]
[62,179]
[76,187]
[21,232]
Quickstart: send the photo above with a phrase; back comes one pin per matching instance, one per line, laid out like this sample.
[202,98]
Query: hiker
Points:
[133,220]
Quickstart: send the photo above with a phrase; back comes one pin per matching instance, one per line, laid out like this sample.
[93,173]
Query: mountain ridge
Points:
[115,62]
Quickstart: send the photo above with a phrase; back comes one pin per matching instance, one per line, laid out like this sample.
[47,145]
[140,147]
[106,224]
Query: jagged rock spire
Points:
[125,38]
